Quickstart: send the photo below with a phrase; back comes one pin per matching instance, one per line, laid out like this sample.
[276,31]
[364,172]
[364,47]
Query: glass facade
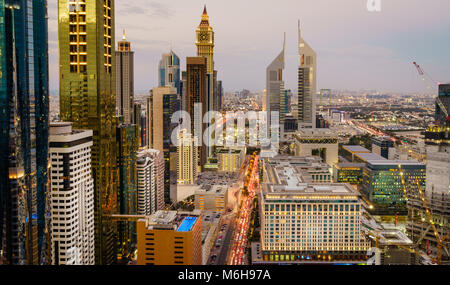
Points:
[127,146]
[88,99]
[383,187]
[24,108]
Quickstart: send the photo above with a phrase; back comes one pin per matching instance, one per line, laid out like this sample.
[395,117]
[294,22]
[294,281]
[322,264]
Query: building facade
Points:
[24,111]
[275,86]
[88,99]
[382,184]
[169,71]
[71,196]
[436,193]
[317,142]
[150,181]
[381,146]
[186,158]
[125,81]
[170,238]
[443,104]
[306,84]
[196,98]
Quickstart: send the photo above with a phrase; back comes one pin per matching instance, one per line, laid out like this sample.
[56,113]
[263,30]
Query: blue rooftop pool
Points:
[187,224]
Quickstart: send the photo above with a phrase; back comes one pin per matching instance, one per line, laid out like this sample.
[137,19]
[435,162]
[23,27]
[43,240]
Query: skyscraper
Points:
[275,85]
[127,146]
[169,71]
[443,104]
[306,84]
[72,196]
[186,158]
[196,93]
[162,103]
[24,108]
[150,175]
[88,99]
[205,48]
[125,80]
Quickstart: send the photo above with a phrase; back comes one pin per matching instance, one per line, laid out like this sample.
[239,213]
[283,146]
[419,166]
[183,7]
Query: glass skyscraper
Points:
[169,71]
[88,99]
[24,109]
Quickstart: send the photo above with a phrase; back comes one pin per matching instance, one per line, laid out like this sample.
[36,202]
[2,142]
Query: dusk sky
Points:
[356,49]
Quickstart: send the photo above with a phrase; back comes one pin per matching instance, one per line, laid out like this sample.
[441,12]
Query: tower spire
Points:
[204,10]
[123,34]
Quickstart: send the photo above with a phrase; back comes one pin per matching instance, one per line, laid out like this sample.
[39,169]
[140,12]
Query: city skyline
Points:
[365,42]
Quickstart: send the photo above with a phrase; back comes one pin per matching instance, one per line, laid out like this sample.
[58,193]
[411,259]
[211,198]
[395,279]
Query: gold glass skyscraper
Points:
[87,98]
[205,42]
[205,48]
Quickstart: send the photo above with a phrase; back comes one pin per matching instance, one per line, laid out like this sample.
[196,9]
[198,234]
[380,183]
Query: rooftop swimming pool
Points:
[187,224]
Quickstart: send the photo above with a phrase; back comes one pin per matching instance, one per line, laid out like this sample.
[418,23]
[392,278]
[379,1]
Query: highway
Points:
[238,243]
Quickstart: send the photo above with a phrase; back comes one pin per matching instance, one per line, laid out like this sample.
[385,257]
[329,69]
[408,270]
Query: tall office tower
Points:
[219,95]
[205,47]
[169,71]
[170,238]
[186,158]
[437,195]
[150,181]
[88,99]
[183,90]
[71,196]
[303,221]
[125,80]
[196,93]
[443,104]
[162,103]
[127,146]
[137,120]
[24,110]
[275,85]
[306,84]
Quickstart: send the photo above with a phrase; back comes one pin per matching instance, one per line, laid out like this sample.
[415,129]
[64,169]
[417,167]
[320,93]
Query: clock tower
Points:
[205,42]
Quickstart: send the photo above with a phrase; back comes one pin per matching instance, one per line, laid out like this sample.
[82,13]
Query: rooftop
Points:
[356,149]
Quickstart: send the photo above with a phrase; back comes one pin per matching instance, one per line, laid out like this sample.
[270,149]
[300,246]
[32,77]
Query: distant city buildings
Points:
[382,145]
[71,196]
[169,71]
[230,160]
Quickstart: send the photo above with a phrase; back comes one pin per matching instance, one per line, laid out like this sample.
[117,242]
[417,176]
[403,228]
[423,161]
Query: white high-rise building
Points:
[71,196]
[306,84]
[150,180]
[186,158]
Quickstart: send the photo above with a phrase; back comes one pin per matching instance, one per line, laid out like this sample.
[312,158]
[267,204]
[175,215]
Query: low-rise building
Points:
[170,238]
[212,198]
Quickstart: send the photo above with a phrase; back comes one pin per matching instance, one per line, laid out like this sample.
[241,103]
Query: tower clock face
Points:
[203,36]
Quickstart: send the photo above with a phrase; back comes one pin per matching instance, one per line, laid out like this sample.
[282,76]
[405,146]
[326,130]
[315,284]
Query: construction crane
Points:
[430,82]
[440,241]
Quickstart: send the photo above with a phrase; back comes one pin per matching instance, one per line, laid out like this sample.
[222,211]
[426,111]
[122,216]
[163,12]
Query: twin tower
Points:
[276,96]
